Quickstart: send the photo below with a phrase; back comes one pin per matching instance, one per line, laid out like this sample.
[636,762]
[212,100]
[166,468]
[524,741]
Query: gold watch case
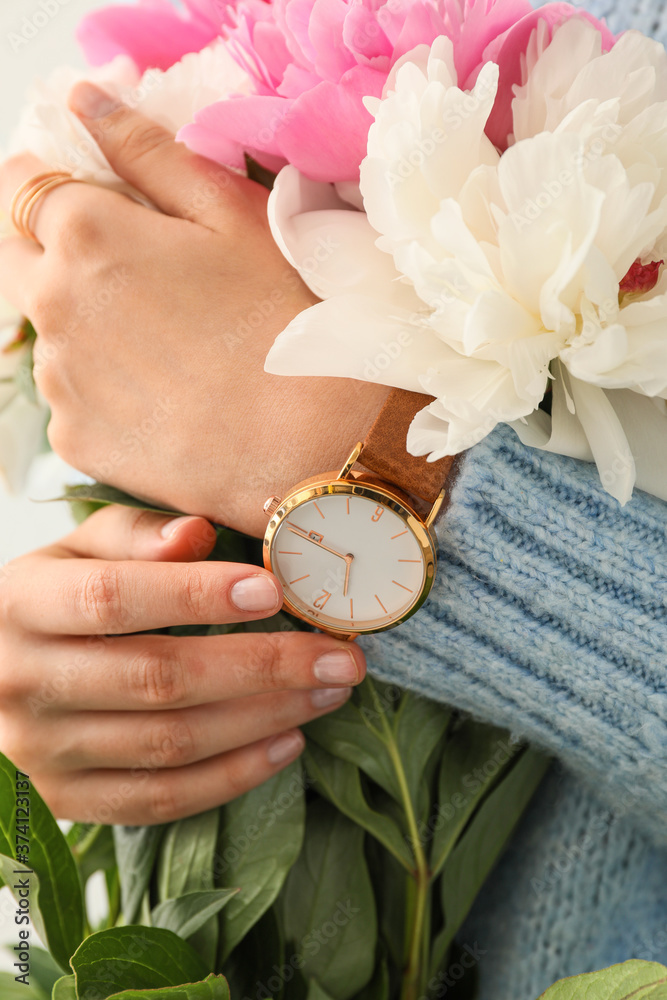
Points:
[360,484]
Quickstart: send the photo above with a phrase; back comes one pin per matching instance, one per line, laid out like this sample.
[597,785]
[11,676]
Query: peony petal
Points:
[224,130]
[353,336]
[153,34]
[308,140]
[331,245]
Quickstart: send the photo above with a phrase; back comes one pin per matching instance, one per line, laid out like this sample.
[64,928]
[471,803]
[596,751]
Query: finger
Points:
[96,597]
[154,672]
[181,737]
[19,271]
[118,533]
[177,181]
[146,796]
[50,217]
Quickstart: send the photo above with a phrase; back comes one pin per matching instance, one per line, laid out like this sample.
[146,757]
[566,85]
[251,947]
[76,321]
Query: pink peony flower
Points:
[314,61]
[153,33]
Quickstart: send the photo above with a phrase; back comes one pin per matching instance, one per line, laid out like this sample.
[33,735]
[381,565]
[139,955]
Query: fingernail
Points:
[285,748]
[169,529]
[92,102]
[337,667]
[255,593]
[328,697]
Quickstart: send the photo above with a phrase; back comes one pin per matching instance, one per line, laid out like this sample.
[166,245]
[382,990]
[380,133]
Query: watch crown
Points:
[271,506]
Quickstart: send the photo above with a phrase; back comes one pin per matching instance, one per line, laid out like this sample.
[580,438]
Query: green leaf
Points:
[64,989]
[44,972]
[256,172]
[11,990]
[186,863]
[329,904]
[187,855]
[211,988]
[475,758]
[315,992]
[260,839]
[94,851]
[185,915]
[470,863]
[100,493]
[339,781]
[136,848]
[137,958]
[259,961]
[419,727]
[60,899]
[354,733]
[379,986]
[390,884]
[634,979]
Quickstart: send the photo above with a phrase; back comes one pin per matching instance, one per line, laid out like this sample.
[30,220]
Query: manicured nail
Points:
[337,667]
[255,593]
[328,697]
[285,748]
[169,529]
[92,102]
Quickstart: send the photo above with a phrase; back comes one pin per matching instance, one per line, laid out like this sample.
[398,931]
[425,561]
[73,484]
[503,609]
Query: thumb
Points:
[117,532]
[145,154]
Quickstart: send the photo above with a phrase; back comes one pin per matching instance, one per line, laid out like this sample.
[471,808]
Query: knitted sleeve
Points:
[548,616]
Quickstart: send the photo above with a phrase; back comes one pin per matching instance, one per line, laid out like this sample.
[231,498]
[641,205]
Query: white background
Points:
[24,524]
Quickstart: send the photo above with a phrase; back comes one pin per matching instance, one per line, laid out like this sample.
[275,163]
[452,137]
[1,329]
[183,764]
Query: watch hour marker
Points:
[299,578]
[348,504]
[284,552]
[351,608]
[379,511]
[403,586]
[381,604]
[320,601]
[399,534]
[317,509]
[409,560]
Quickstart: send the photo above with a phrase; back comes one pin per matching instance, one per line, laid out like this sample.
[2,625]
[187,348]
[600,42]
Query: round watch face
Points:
[350,558]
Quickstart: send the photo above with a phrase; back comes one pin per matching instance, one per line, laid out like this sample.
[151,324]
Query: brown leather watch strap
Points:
[384,451]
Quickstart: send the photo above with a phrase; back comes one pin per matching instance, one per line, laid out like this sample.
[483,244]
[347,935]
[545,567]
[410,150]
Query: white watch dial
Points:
[348,561]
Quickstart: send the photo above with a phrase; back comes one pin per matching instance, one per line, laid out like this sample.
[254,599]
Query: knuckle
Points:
[158,680]
[170,743]
[84,227]
[139,138]
[266,660]
[163,804]
[100,598]
[193,595]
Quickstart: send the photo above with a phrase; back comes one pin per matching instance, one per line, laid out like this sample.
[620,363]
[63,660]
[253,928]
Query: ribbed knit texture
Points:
[549,617]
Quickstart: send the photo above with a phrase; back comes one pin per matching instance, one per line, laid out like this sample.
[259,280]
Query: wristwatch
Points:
[355,550]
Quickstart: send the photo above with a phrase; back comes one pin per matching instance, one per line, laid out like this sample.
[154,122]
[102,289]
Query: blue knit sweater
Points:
[549,617]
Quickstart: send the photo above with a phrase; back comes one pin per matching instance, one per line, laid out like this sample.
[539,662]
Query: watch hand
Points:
[303,534]
[348,563]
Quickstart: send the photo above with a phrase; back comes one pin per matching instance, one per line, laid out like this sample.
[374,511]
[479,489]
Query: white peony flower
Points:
[485,279]
[22,420]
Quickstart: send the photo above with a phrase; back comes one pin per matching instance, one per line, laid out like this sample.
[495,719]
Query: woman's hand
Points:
[153,330]
[140,729]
